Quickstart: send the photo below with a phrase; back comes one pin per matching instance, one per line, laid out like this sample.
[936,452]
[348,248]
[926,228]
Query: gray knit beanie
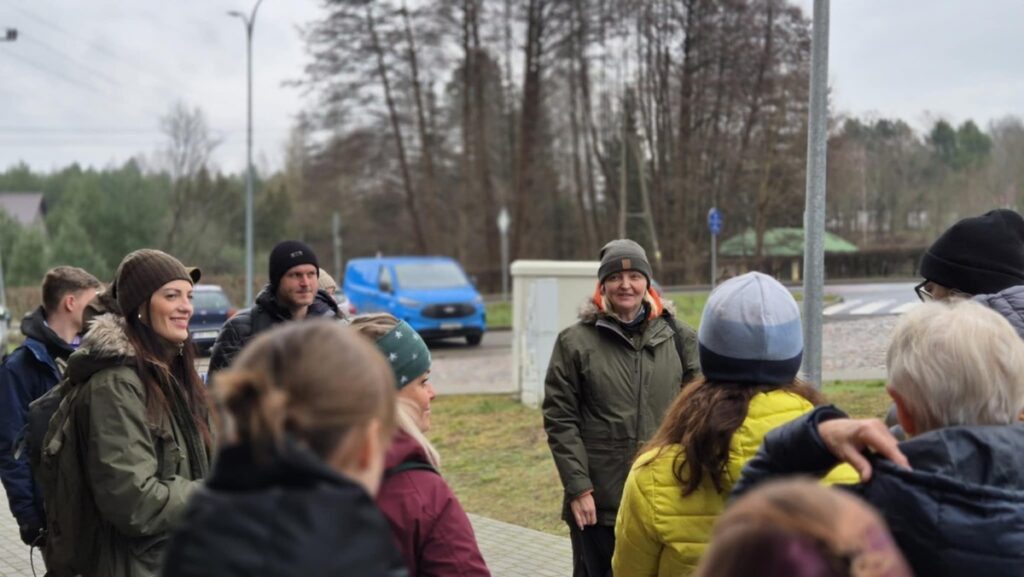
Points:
[142,272]
[623,254]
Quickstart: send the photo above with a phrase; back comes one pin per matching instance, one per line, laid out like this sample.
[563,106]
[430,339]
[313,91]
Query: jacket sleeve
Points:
[637,551]
[227,345]
[562,420]
[792,448]
[692,366]
[450,547]
[121,462]
[16,388]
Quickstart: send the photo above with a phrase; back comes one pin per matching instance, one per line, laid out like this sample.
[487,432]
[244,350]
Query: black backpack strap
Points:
[409,466]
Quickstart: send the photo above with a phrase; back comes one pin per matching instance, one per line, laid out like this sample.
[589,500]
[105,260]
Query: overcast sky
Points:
[87,81]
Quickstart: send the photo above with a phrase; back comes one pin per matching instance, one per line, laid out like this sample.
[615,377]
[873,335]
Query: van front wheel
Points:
[474,340]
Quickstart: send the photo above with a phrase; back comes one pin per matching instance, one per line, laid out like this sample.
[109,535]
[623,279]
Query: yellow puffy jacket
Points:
[659,531]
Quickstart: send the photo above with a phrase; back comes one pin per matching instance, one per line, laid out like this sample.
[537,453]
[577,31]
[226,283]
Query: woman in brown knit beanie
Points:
[141,415]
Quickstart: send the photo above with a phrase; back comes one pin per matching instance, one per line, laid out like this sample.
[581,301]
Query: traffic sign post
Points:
[715,226]
[503,223]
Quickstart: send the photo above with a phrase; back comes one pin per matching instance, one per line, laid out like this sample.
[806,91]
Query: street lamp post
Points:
[10,35]
[249,21]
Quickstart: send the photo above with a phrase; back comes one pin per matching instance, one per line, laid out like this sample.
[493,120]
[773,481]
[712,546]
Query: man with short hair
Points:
[292,294]
[51,335]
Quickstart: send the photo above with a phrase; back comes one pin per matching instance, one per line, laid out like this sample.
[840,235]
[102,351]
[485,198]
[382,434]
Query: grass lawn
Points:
[495,454]
[689,307]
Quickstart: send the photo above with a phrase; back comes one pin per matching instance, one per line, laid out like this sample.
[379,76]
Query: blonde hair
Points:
[315,381]
[957,363]
[375,326]
[326,283]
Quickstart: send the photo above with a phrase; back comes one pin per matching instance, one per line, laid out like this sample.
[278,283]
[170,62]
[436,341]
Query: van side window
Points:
[384,280]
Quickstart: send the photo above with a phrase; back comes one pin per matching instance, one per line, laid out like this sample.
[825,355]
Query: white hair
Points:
[957,363]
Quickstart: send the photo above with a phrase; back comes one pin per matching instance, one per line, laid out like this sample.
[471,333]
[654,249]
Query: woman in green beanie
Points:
[430,527]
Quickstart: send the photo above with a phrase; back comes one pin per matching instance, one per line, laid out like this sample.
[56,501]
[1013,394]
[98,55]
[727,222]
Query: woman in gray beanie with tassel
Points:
[611,378]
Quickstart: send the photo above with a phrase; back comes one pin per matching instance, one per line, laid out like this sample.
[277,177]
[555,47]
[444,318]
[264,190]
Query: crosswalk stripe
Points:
[838,307]
[872,307]
[905,307]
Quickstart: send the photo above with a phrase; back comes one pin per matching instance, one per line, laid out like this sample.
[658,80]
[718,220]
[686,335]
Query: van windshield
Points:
[436,275]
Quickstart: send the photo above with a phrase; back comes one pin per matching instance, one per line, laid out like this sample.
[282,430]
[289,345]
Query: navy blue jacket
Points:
[960,511]
[27,374]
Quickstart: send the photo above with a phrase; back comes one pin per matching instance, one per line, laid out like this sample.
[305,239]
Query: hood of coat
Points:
[404,448]
[34,326]
[105,344]
[589,311]
[323,305]
[1009,303]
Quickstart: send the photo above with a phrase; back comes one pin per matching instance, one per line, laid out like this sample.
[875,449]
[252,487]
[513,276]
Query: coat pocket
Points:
[168,454]
[609,465]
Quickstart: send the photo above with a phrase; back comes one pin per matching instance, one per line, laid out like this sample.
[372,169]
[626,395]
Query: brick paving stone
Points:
[513,551]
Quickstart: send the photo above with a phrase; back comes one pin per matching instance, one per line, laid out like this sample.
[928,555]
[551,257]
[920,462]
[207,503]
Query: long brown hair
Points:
[160,367]
[314,381]
[703,419]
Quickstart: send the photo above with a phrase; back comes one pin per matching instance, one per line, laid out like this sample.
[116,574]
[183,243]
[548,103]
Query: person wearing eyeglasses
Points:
[980,255]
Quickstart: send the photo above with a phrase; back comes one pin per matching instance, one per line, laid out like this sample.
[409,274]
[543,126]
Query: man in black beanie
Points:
[291,294]
[978,255]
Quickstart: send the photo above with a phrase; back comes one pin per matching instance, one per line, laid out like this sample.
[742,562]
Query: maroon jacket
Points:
[430,527]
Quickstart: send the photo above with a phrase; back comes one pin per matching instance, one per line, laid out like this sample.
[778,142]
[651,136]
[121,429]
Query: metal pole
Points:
[248,167]
[336,228]
[714,258]
[814,212]
[3,287]
[250,22]
[504,266]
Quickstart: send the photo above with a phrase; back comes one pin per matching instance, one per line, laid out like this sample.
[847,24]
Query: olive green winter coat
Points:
[136,469]
[605,394]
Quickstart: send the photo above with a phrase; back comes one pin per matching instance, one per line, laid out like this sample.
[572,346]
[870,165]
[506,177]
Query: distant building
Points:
[28,208]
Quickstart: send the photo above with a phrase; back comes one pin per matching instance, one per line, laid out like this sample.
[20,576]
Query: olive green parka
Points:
[605,394]
[137,469]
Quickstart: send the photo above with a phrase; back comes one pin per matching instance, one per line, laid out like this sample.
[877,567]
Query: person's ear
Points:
[68,303]
[904,414]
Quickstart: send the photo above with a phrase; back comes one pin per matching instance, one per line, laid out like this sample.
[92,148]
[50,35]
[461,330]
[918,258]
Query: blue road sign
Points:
[715,221]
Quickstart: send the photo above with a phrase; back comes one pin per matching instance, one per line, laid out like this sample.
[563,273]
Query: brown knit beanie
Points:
[142,272]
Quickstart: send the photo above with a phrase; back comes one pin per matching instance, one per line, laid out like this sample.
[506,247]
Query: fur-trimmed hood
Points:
[105,344]
[589,310]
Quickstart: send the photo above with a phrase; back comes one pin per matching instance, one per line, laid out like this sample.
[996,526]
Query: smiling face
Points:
[420,392]
[625,292]
[169,311]
[297,288]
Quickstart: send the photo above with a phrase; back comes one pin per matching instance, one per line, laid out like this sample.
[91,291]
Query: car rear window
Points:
[210,300]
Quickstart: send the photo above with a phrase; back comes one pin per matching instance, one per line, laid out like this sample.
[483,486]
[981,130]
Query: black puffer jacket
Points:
[291,516]
[960,511]
[1010,304]
[267,312]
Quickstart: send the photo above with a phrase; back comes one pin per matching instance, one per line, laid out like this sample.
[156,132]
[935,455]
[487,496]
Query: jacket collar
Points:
[105,344]
[981,459]
[237,469]
[34,327]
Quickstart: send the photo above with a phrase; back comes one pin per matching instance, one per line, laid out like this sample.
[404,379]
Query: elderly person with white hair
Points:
[953,494]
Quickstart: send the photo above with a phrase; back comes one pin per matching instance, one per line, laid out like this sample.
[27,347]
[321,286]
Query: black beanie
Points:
[623,254]
[288,254]
[978,255]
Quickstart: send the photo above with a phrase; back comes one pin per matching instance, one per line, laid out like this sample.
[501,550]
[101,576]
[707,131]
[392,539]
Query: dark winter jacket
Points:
[289,516]
[430,527]
[1010,304]
[960,511]
[266,313]
[139,471]
[27,374]
[605,394]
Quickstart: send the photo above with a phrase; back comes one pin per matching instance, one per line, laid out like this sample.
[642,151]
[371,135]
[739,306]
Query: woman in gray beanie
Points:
[611,378]
[134,438]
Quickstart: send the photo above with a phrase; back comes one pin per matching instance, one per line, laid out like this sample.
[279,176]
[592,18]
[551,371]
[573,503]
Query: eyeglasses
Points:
[923,293]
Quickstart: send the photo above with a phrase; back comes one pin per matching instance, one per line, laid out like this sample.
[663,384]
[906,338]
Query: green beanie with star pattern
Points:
[406,352]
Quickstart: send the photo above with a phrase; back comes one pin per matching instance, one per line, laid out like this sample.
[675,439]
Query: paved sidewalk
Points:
[510,550]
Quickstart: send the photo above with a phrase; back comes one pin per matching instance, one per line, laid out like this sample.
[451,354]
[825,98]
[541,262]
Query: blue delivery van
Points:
[431,293]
